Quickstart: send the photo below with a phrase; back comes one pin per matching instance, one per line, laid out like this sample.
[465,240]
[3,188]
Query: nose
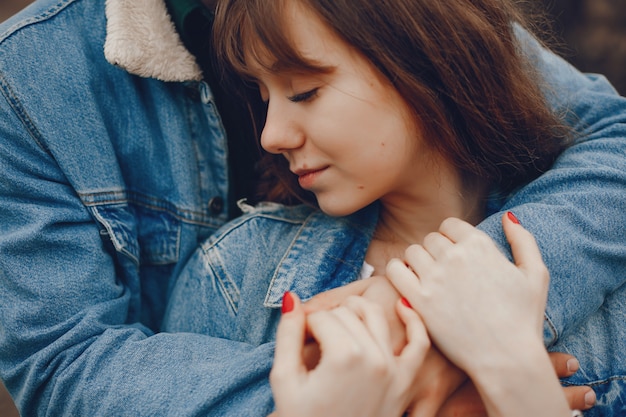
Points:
[282,132]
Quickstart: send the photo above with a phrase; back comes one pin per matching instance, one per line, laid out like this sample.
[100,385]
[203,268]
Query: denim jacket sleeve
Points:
[577,210]
[71,343]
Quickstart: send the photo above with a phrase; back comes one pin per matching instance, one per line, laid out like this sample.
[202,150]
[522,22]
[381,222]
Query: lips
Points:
[307,177]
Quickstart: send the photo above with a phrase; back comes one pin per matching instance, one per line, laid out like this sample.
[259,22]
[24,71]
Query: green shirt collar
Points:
[185,14]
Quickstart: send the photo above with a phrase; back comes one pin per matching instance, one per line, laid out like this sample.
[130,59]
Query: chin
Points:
[337,210]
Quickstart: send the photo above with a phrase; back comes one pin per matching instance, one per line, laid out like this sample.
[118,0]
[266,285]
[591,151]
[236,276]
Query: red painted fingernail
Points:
[287,303]
[512,217]
[406,302]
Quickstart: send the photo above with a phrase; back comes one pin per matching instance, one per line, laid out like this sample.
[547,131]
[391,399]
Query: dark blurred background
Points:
[591,34]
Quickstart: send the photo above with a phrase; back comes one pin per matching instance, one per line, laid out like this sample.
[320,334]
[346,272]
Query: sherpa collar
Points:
[142,39]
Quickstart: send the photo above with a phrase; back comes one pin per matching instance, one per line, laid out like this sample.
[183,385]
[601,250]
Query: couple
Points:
[390,148]
[111,179]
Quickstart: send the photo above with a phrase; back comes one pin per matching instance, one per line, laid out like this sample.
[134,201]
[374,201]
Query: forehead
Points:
[299,42]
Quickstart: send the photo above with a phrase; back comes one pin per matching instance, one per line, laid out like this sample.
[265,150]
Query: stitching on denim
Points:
[119,246]
[21,114]
[553,329]
[103,198]
[597,383]
[222,280]
[266,301]
[35,19]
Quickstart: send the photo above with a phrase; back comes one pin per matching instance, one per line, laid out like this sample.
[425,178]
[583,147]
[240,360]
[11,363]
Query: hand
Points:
[466,401]
[330,299]
[358,374]
[437,378]
[470,295]
[578,398]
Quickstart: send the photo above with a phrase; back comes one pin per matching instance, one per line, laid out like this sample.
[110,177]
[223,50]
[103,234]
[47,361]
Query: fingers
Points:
[290,336]
[580,398]
[523,245]
[436,244]
[404,279]
[374,321]
[333,298]
[456,229]
[565,365]
[527,257]
[418,341]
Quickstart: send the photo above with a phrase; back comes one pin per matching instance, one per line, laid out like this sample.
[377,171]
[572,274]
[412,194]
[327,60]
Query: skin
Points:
[469,310]
[356,345]
[337,131]
[354,338]
[350,139]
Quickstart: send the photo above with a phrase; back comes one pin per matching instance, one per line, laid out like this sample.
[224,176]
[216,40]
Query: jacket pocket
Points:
[143,234]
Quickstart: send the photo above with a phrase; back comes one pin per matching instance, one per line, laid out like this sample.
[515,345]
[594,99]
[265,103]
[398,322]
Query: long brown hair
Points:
[457,63]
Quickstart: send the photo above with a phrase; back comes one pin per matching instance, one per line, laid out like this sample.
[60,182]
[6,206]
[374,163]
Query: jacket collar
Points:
[142,39]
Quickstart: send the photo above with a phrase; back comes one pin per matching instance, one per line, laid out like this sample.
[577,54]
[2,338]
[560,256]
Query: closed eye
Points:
[304,97]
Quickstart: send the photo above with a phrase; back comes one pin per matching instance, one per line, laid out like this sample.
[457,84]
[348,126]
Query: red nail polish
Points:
[406,302]
[512,217]
[287,303]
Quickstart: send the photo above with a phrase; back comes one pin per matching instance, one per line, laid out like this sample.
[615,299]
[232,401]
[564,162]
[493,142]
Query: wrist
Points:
[520,381]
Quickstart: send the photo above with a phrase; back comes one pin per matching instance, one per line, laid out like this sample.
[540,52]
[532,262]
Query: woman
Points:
[467,308]
[394,117]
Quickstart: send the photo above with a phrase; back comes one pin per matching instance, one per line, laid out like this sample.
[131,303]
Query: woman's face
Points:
[347,134]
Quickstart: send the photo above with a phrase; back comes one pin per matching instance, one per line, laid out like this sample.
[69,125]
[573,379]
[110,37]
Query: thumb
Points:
[290,337]
[524,248]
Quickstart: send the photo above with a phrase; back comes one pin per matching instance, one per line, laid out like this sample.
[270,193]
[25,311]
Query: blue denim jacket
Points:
[108,179]
[223,294]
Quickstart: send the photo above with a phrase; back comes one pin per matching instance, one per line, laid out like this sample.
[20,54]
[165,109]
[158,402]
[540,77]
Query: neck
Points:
[409,218]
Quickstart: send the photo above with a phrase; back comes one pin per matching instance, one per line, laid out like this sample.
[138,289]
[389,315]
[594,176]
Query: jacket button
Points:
[216,205]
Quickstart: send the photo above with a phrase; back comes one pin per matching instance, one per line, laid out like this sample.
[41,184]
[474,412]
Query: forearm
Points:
[71,340]
[520,383]
[576,209]
[123,373]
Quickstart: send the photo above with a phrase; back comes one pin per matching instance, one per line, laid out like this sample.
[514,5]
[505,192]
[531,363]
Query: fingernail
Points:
[512,217]
[287,302]
[405,302]
[572,365]
[590,398]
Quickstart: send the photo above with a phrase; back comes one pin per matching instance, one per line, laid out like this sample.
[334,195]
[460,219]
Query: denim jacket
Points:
[113,167]
[223,294]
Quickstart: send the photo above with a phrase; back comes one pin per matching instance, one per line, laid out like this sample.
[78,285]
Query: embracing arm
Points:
[577,210]
[70,339]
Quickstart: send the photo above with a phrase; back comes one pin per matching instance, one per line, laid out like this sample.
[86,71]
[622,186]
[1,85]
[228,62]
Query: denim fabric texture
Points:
[106,180]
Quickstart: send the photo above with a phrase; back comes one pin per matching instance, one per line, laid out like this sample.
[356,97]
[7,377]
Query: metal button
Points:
[216,205]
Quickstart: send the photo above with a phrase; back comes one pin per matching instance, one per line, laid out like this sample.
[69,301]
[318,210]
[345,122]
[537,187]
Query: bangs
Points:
[253,34]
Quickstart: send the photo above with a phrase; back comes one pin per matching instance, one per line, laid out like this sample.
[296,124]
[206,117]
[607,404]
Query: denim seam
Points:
[553,329]
[124,197]
[597,383]
[35,19]
[268,294]
[21,114]
[119,246]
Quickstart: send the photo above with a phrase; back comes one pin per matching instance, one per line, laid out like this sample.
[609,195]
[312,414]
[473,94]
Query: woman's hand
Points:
[486,313]
[358,373]
[435,380]
[471,297]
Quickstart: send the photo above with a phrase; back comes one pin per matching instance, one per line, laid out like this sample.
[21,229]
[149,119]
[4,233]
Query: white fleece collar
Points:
[142,39]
